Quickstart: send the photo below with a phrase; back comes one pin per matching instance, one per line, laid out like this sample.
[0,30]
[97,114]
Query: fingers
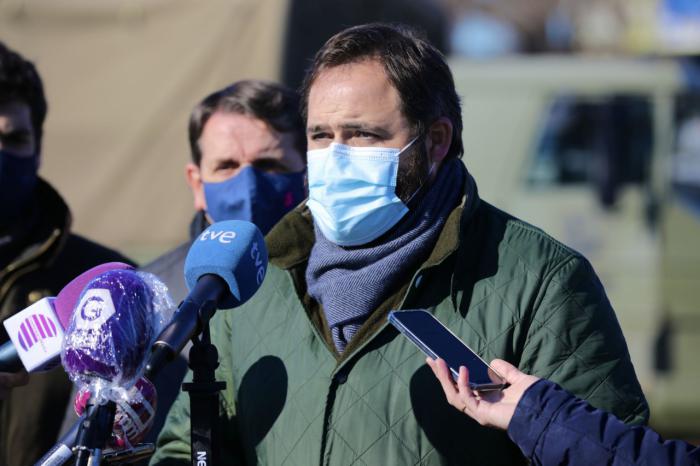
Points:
[506,369]
[469,400]
[463,380]
[442,372]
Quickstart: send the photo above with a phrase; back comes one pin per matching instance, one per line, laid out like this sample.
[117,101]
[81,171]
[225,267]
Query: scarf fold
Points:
[351,282]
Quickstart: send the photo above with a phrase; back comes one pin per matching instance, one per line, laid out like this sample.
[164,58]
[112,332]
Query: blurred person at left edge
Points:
[248,162]
[38,256]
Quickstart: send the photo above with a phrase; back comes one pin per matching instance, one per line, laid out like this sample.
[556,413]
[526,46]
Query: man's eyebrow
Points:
[364,127]
[351,126]
[316,129]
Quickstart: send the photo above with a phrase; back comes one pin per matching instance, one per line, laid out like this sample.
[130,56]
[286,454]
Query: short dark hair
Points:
[415,68]
[270,102]
[20,81]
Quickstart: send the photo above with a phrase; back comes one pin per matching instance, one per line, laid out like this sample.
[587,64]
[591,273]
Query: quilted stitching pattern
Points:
[283,334]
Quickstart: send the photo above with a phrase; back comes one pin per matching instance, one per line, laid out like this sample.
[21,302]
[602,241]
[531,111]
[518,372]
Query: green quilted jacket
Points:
[506,288]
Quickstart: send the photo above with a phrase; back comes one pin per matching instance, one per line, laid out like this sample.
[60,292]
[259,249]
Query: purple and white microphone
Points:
[36,333]
[111,330]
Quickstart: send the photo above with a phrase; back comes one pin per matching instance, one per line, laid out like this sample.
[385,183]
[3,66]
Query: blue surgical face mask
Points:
[18,177]
[254,196]
[352,192]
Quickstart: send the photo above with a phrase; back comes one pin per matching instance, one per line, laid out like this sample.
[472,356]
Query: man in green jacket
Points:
[314,375]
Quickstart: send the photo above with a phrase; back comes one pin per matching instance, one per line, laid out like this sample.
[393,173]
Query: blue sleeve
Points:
[551,427]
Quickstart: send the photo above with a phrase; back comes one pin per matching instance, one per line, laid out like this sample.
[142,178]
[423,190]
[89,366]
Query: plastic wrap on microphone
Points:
[136,409]
[112,328]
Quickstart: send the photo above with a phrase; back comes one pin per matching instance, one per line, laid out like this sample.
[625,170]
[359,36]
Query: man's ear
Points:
[193,177]
[438,140]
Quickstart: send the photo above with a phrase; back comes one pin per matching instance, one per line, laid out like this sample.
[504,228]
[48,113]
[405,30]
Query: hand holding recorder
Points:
[470,385]
[493,408]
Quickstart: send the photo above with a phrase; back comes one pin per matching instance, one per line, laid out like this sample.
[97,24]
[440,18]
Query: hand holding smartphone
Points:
[437,341]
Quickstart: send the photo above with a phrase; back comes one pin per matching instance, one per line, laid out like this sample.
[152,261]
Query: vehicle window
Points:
[686,156]
[602,142]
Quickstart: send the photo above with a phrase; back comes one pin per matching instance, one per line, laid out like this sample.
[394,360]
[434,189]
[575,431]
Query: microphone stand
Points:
[204,392]
[93,433]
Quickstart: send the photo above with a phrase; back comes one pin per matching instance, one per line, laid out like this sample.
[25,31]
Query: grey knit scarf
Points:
[351,282]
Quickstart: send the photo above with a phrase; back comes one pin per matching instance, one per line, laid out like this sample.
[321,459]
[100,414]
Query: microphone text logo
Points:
[224,237]
[259,266]
[92,308]
[95,308]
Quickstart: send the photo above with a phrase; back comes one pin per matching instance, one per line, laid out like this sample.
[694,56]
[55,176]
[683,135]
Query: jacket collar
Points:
[198,224]
[289,242]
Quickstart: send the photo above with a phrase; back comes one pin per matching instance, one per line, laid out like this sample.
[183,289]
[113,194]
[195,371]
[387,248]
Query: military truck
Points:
[604,155]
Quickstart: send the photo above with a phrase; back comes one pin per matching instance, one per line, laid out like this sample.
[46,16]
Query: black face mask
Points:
[18,178]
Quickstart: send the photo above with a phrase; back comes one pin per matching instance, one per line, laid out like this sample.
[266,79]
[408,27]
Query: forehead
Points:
[358,91]
[238,136]
[15,115]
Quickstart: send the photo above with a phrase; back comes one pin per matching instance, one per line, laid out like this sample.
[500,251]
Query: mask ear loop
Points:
[410,143]
[430,173]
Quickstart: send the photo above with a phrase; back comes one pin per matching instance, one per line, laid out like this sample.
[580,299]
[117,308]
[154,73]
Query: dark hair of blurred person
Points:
[267,101]
[20,82]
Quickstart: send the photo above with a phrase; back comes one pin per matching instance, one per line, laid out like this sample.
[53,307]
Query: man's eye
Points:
[320,136]
[364,135]
[270,166]
[226,166]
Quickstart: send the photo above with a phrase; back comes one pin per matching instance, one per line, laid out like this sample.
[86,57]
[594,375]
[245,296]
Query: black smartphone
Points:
[437,341]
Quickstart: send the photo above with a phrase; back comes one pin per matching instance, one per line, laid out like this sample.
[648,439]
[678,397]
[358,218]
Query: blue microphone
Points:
[224,268]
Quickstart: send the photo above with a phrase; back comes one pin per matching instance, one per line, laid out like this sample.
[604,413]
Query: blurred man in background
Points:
[248,148]
[394,221]
[38,256]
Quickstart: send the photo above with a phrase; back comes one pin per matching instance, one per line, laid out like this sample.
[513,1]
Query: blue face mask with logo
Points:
[352,192]
[18,178]
[255,196]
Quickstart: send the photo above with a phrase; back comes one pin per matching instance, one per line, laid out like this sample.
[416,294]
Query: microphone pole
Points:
[204,393]
[93,433]
[192,323]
